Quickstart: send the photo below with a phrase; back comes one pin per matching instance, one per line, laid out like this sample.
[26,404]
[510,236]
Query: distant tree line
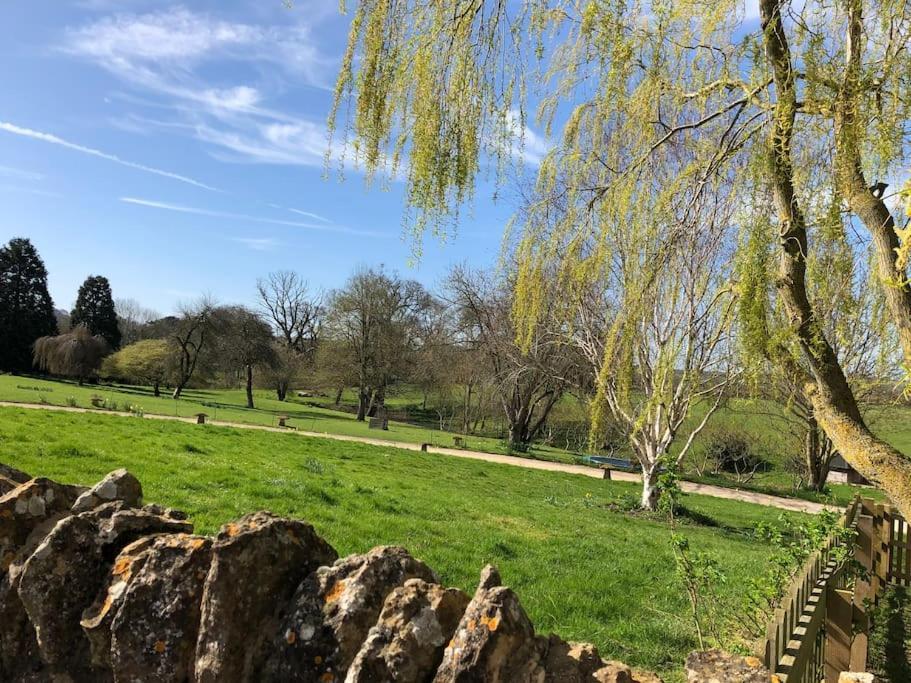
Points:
[464,348]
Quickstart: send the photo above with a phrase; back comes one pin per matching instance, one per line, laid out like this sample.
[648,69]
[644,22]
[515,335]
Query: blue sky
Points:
[178,150]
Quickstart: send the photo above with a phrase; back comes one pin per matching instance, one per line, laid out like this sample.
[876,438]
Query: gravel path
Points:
[791,504]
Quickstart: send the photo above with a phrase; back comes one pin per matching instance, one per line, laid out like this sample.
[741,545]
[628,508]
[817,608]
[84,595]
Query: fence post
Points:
[838,630]
[863,555]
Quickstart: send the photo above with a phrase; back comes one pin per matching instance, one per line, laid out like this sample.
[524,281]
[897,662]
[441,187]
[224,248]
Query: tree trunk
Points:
[363,402]
[338,395]
[281,391]
[813,456]
[250,386]
[157,388]
[650,491]
[833,401]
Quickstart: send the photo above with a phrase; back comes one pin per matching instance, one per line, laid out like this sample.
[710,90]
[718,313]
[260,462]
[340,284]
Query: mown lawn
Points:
[229,405]
[583,568]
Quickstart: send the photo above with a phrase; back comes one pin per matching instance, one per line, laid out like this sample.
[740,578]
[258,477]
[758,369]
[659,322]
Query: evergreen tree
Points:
[26,308]
[95,309]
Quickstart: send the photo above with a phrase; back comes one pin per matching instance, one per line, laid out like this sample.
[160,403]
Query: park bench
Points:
[201,418]
[282,420]
[458,441]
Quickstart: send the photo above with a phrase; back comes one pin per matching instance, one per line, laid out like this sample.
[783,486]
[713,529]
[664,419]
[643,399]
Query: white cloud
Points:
[20,174]
[54,140]
[150,203]
[257,243]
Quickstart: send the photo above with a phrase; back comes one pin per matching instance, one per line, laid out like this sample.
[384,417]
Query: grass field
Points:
[758,419]
[229,405]
[583,568]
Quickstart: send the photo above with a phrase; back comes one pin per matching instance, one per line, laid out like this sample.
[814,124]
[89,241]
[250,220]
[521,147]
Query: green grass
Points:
[754,417]
[583,568]
[229,405]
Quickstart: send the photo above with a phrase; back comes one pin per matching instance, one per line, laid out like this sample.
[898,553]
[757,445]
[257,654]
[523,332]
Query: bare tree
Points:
[244,340]
[191,335]
[376,317]
[296,314]
[133,318]
[529,381]
[77,353]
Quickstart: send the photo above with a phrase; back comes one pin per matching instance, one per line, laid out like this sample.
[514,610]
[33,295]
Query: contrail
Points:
[54,140]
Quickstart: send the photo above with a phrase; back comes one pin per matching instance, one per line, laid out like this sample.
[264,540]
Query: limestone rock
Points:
[118,485]
[407,642]
[495,640]
[13,474]
[65,572]
[7,485]
[714,666]
[26,507]
[333,611]
[144,625]
[257,562]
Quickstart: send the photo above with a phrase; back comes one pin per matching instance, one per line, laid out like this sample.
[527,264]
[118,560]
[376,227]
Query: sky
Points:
[178,149]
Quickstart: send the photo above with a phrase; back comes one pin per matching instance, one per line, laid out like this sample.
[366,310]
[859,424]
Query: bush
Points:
[734,453]
[890,637]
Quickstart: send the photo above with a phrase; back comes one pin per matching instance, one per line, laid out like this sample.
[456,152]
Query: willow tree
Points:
[440,87]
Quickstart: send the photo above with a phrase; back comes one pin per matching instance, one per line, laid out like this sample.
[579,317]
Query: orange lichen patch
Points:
[752,662]
[335,592]
[160,646]
[327,677]
[491,622]
[232,529]
[197,544]
[290,636]
[775,678]
[122,566]
[471,624]
[317,660]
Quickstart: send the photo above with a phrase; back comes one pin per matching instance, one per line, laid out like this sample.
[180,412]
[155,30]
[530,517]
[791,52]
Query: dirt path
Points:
[790,504]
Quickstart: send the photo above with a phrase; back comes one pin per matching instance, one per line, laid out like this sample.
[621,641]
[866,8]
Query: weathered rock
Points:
[332,612]
[7,485]
[65,572]
[257,562]
[715,666]
[118,485]
[144,626]
[581,663]
[19,657]
[495,640]
[26,507]
[13,474]
[856,677]
[156,509]
[407,642]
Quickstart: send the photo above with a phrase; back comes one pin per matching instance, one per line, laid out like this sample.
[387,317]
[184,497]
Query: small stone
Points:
[118,485]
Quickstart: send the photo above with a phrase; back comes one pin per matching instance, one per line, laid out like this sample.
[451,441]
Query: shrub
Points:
[734,453]
[71,401]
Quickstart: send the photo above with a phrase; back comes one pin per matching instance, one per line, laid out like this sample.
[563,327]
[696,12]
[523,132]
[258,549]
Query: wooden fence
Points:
[821,627]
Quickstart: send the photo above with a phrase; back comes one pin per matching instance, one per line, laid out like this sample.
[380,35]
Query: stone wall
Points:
[95,586]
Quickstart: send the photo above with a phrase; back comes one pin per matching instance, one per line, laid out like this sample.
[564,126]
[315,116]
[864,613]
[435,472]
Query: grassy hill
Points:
[583,567]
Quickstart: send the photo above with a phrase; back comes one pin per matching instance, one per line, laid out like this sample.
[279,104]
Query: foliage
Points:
[702,576]
[732,452]
[76,354]
[149,361]
[26,309]
[95,309]
[889,650]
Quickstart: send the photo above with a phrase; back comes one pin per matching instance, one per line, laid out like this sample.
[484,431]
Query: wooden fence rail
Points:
[821,627]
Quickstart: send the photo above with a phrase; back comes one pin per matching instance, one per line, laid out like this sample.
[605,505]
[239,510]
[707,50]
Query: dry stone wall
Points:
[96,586]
